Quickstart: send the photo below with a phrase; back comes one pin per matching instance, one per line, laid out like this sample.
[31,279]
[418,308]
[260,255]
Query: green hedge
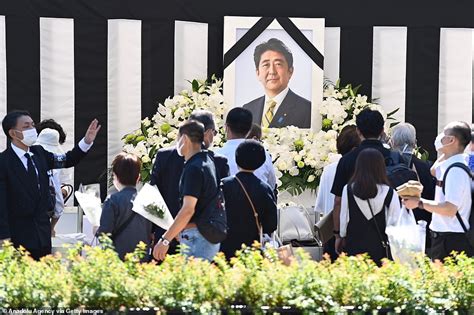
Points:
[103,281]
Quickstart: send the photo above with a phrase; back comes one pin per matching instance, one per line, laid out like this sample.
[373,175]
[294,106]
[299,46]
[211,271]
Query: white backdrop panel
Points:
[389,69]
[190,53]
[57,78]
[455,76]
[332,42]
[123,82]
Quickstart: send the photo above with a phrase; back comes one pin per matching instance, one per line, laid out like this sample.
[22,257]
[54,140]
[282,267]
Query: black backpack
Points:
[398,170]
[469,233]
[212,222]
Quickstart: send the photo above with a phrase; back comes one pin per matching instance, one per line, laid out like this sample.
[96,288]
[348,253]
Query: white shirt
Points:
[21,153]
[278,99]
[325,199]
[458,192]
[59,205]
[392,213]
[266,172]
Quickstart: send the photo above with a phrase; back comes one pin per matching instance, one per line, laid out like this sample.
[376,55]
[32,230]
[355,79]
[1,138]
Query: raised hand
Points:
[92,131]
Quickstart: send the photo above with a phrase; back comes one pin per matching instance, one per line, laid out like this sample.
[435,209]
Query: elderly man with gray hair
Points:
[403,139]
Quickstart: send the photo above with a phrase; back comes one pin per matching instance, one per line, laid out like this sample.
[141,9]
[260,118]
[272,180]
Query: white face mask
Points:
[29,136]
[179,146]
[438,144]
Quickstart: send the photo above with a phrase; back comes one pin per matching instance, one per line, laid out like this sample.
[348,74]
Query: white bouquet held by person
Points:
[91,205]
[150,204]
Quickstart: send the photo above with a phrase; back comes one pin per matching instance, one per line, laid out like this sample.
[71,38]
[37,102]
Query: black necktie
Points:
[33,177]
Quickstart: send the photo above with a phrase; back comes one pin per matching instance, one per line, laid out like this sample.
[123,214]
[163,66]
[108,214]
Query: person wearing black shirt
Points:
[370,124]
[168,168]
[250,155]
[198,187]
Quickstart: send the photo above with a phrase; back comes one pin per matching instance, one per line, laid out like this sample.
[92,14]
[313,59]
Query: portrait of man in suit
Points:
[279,106]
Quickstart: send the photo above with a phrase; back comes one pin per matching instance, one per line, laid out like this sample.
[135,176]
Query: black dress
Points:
[240,217]
[362,235]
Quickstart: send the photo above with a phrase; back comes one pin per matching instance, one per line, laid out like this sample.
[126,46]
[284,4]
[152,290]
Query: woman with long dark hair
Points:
[368,205]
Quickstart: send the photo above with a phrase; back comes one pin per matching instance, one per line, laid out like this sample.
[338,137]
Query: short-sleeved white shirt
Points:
[458,192]
[324,198]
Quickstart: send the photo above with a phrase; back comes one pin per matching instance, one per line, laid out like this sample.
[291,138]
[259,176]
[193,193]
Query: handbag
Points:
[294,224]
[67,190]
[325,228]
[285,252]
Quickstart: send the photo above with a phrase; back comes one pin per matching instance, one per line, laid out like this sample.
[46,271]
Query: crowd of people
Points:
[223,199]
[358,192]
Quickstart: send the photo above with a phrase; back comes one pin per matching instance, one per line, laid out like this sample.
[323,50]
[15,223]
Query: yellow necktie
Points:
[267,118]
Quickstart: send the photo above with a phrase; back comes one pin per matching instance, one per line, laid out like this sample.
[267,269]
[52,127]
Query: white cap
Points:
[49,140]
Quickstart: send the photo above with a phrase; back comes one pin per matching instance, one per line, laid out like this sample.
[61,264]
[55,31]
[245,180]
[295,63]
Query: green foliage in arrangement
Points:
[95,278]
[155,210]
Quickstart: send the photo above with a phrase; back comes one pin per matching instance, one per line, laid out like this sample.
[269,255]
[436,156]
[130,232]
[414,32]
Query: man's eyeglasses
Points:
[214,131]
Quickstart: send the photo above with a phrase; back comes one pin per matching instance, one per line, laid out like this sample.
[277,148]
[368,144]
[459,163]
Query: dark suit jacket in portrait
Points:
[23,208]
[293,111]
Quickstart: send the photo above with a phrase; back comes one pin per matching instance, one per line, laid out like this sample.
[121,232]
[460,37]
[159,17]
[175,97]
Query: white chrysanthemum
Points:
[282,165]
[128,148]
[294,171]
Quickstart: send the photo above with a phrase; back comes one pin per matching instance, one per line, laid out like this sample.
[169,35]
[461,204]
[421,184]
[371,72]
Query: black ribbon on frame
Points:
[261,26]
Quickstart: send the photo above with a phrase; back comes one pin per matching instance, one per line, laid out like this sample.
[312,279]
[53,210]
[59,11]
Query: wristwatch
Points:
[335,232]
[164,241]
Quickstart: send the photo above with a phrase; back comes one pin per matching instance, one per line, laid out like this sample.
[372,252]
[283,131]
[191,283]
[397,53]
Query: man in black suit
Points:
[25,198]
[280,106]
[169,165]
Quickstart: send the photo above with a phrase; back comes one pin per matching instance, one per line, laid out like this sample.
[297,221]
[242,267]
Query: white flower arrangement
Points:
[162,129]
[299,155]
[341,105]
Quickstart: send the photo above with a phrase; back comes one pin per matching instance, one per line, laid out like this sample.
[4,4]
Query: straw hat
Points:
[49,140]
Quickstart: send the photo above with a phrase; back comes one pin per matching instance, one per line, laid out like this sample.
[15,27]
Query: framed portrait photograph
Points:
[273,76]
